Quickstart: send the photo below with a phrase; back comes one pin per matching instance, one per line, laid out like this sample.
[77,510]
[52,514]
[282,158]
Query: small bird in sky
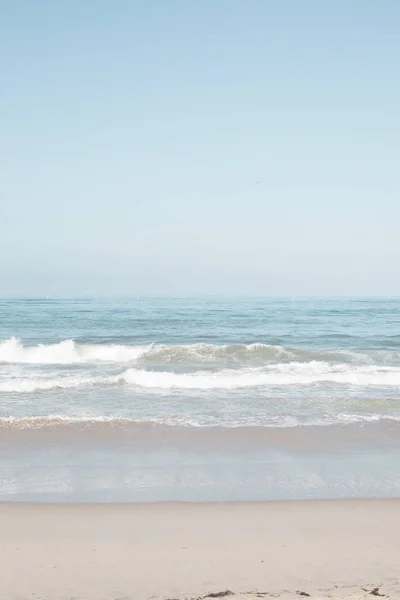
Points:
[258,181]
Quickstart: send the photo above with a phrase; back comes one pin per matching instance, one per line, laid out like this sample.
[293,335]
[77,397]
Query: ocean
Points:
[200,399]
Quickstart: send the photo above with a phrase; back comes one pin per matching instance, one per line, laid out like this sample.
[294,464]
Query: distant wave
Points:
[68,352]
[283,374]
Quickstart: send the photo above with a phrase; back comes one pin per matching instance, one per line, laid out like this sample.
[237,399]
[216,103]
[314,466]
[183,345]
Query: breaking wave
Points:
[66,352]
[69,352]
[275,375]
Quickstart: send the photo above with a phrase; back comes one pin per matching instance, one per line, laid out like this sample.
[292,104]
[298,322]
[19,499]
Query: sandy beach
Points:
[325,549]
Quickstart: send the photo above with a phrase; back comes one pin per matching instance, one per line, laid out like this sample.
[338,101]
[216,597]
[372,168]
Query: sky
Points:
[133,134]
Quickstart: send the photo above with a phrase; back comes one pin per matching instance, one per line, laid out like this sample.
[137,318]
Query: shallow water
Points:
[156,399]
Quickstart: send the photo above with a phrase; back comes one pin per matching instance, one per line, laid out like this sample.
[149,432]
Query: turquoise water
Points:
[206,398]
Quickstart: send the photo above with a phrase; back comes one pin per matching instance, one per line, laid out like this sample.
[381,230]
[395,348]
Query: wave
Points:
[69,352]
[275,375]
[28,385]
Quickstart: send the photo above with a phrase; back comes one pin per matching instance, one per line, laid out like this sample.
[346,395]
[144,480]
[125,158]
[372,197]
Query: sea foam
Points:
[284,374]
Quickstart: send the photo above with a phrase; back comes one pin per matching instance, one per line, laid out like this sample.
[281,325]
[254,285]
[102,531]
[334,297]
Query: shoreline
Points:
[200,503]
[325,548]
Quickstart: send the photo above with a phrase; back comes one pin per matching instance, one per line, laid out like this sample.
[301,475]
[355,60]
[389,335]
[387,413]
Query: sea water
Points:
[152,399]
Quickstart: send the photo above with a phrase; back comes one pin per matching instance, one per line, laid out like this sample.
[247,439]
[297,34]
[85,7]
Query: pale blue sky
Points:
[132,134]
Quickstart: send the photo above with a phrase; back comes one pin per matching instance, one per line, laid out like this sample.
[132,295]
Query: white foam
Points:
[29,385]
[67,352]
[58,419]
[275,375]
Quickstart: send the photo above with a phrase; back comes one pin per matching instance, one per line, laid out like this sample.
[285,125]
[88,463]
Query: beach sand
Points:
[326,549]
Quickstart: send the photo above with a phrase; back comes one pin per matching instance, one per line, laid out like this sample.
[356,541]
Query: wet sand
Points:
[326,549]
[31,433]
